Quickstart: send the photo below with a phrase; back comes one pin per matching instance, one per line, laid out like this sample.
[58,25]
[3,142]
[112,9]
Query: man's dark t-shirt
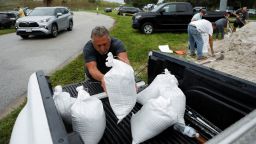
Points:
[90,54]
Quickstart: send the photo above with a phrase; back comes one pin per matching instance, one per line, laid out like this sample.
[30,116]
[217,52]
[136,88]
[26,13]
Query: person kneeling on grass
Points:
[195,31]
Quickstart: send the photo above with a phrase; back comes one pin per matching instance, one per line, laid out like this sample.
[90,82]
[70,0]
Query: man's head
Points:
[227,14]
[202,12]
[101,39]
[244,9]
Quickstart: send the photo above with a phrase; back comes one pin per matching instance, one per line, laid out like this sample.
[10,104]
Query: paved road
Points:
[20,58]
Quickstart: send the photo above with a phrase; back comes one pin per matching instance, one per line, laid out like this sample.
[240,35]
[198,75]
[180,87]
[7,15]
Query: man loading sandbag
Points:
[95,53]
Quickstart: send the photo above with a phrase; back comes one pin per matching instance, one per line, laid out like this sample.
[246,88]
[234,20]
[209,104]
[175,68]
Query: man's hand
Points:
[103,85]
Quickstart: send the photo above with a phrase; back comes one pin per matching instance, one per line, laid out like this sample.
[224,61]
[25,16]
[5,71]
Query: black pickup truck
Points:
[172,16]
[219,106]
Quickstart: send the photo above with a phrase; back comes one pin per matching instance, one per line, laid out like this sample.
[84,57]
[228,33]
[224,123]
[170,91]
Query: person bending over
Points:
[195,30]
[220,25]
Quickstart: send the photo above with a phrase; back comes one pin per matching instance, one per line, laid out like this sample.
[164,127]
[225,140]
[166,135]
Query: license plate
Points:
[28,30]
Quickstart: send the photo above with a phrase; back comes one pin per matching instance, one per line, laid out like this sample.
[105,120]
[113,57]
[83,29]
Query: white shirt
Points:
[196,17]
[203,26]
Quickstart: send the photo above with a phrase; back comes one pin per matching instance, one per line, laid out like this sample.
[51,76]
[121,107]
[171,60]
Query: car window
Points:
[181,8]
[58,10]
[169,8]
[43,12]
[157,7]
[64,11]
[11,15]
[2,15]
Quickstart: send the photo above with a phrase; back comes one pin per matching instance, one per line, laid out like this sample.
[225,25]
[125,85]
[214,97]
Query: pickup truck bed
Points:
[121,133]
[215,101]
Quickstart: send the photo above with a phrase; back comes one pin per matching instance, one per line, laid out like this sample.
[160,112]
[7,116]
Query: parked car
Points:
[128,10]
[251,11]
[172,16]
[45,21]
[7,19]
[108,10]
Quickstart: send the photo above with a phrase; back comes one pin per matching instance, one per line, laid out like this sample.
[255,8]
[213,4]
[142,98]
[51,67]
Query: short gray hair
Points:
[100,31]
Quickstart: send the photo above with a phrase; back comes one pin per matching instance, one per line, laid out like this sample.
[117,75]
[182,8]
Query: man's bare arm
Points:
[95,73]
[211,44]
[123,57]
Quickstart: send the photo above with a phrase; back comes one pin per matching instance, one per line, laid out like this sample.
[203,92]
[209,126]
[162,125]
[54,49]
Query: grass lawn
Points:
[6,31]
[138,45]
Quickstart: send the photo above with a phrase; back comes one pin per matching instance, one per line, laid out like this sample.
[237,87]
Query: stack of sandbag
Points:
[120,87]
[163,105]
[88,117]
[63,103]
[152,119]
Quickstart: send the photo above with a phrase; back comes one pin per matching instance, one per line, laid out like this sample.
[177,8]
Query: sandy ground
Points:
[239,52]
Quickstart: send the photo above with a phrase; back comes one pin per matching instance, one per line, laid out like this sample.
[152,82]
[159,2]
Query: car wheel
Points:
[54,30]
[24,36]
[70,26]
[147,28]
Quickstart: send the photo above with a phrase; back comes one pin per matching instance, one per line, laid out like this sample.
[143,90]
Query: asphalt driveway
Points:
[20,58]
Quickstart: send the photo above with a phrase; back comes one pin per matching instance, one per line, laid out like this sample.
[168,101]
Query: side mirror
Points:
[59,14]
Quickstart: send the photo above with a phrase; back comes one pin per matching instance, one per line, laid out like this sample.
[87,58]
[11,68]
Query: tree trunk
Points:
[47,2]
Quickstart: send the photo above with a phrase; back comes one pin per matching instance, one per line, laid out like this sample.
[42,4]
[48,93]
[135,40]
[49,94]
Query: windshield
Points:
[157,8]
[42,12]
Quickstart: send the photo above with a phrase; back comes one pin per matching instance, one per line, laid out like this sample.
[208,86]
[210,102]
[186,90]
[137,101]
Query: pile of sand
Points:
[239,53]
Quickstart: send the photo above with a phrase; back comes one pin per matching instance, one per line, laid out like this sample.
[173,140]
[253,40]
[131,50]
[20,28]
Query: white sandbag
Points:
[177,100]
[152,91]
[206,45]
[120,87]
[152,119]
[88,117]
[63,103]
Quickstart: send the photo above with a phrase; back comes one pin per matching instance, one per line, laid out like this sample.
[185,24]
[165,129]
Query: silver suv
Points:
[45,21]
